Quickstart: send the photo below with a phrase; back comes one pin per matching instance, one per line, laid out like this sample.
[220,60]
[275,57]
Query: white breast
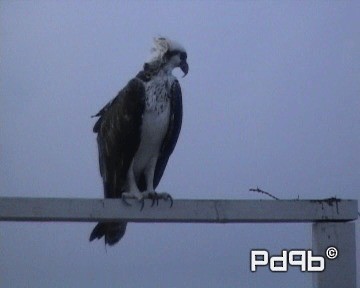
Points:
[155,123]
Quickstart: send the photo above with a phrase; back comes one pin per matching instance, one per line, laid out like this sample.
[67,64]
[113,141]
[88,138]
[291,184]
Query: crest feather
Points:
[161,46]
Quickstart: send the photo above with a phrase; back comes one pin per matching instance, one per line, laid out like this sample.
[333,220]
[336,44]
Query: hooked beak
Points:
[184,67]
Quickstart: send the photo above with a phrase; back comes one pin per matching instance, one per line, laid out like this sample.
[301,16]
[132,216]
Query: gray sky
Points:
[271,100]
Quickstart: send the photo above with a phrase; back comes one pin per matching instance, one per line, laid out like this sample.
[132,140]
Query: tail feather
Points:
[113,232]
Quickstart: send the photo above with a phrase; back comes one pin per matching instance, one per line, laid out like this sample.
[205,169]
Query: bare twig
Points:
[258,190]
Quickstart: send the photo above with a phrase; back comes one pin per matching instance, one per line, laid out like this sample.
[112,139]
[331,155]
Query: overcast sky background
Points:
[272,100]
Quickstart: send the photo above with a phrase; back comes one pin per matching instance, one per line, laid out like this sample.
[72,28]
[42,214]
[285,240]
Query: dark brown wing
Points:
[119,130]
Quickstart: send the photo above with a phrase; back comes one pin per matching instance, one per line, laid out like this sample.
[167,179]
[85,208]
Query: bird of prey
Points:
[137,131]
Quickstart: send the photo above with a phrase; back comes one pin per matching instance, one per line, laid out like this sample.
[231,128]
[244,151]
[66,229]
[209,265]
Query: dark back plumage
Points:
[117,136]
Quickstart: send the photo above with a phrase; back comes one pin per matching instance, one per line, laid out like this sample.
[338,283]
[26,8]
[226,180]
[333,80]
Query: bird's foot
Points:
[132,195]
[141,196]
[154,196]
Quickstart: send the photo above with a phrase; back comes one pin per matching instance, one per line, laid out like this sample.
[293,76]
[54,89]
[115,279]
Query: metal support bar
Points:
[341,271]
[191,211]
[329,216]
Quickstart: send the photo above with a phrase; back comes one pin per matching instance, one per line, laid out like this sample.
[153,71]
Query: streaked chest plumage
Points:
[157,93]
[155,121]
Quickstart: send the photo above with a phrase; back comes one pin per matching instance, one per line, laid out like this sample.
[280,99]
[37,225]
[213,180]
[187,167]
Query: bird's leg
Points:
[133,192]
[149,174]
[150,192]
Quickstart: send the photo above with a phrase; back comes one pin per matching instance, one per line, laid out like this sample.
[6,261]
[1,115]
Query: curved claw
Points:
[142,204]
[154,197]
[125,202]
[171,201]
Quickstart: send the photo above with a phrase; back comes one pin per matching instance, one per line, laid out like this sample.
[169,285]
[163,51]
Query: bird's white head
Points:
[170,54]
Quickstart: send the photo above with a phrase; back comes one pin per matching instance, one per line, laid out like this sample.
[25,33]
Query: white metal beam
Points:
[191,211]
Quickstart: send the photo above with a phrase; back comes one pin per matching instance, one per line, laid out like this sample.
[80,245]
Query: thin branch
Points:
[258,190]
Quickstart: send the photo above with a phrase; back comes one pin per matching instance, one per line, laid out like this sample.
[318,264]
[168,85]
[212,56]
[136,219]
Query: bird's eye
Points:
[183,56]
[170,54]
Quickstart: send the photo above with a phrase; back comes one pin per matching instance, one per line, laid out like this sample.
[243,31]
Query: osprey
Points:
[137,131]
